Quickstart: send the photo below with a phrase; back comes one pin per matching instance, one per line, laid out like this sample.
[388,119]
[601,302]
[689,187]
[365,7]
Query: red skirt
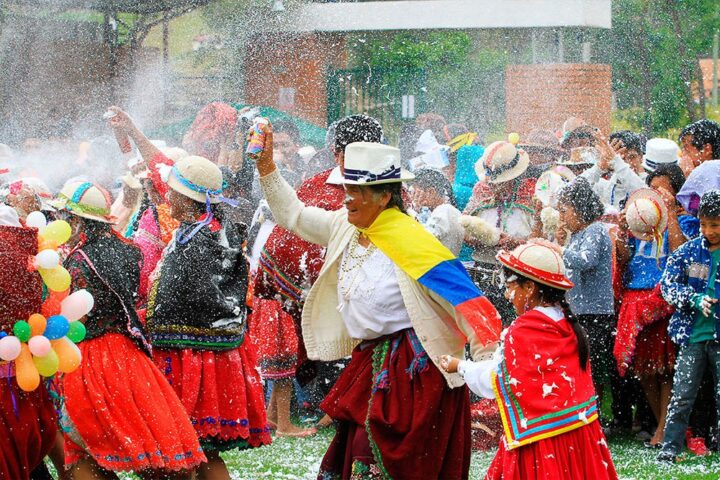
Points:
[274,338]
[654,351]
[27,428]
[642,342]
[579,453]
[223,394]
[123,413]
[397,416]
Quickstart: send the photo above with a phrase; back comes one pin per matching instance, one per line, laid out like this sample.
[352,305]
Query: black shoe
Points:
[666,457]
[651,445]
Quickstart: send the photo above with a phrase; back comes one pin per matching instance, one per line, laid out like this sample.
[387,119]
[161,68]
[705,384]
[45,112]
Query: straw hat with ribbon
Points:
[537,262]
[646,215]
[201,180]
[86,200]
[502,162]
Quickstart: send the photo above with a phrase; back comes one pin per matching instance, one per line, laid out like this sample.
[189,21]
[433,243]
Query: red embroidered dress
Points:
[548,406]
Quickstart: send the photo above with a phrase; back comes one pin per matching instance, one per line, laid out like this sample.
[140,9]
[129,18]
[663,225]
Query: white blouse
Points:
[369,297]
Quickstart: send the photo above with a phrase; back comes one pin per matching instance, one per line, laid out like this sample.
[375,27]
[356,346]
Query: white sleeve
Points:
[478,375]
[311,223]
[629,179]
[444,224]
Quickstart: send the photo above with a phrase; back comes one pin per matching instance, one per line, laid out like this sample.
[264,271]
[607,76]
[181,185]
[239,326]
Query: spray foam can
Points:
[256,138]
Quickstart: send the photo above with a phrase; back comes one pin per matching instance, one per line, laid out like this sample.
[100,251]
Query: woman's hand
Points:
[449,363]
[265,163]
[121,121]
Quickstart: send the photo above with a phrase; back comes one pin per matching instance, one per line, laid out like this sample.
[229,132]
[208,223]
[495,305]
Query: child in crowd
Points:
[540,377]
[642,344]
[691,284]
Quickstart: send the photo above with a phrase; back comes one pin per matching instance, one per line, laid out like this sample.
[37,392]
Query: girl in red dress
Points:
[541,379]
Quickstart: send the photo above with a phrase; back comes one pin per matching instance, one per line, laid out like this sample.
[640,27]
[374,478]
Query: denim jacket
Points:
[686,274]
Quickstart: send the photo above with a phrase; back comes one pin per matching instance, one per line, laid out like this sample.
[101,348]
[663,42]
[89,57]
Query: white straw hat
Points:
[86,200]
[502,162]
[196,178]
[373,164]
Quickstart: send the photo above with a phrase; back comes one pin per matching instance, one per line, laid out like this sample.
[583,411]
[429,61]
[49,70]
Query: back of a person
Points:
[593,291]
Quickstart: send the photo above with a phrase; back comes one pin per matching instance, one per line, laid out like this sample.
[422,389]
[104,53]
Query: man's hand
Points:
[705,303]
[607,152]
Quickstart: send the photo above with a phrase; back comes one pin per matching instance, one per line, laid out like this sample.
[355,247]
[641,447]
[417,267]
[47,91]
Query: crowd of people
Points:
[383,292]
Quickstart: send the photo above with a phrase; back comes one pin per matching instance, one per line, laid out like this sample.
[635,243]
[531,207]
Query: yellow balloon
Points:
[47,366]
[57,279]
[514,138]
[68,354]
[26,372]
[58,231]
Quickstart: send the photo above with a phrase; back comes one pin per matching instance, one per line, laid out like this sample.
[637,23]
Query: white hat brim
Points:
[513,173]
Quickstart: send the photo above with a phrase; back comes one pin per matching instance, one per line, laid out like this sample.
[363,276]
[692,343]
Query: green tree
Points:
[654,48]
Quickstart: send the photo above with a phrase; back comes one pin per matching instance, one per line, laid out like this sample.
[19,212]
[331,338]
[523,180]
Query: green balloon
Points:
[22,330]
[77,332]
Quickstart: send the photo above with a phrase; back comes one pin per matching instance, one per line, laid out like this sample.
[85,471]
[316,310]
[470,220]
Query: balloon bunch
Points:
[45,343]
[47,261]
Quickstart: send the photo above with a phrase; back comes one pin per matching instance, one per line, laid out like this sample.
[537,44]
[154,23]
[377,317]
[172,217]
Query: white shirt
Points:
[478,375]
[621,184]
[369,297]
[513,221]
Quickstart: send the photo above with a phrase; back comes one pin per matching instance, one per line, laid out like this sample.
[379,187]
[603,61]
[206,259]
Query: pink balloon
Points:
[9,348]
[77,305]
[39,346]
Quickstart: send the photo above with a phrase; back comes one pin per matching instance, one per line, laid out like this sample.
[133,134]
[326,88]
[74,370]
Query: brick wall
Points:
[545,95]
[278,66]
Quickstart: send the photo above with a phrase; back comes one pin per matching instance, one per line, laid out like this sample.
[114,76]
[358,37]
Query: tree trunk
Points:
[646,84]
[700,86]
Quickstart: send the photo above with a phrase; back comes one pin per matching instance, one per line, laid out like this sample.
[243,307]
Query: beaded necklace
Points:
[351,266]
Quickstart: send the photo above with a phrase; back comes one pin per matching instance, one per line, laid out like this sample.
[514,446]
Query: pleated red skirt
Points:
[274,338]
[397,416]
[578,454]
[27,428]
[123,413]
[222,392]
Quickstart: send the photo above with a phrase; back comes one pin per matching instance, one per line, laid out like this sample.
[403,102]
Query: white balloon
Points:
[9,348]
[47,259]
[37,220]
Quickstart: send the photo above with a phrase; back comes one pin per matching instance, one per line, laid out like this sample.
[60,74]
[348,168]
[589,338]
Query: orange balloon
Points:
[37,324]
[46,244]
[68,354]
[26,372]
[51,306]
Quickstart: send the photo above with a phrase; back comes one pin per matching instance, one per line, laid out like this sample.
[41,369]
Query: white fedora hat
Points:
[659,151]
[373,164]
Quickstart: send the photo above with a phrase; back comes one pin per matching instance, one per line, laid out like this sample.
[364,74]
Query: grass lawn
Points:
[289,458]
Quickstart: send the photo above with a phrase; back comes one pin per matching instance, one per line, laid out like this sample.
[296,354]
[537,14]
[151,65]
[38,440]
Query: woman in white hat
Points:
[654,227]
[504,214]
[152,434]
[540,377]
[392,296]
[196,311]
